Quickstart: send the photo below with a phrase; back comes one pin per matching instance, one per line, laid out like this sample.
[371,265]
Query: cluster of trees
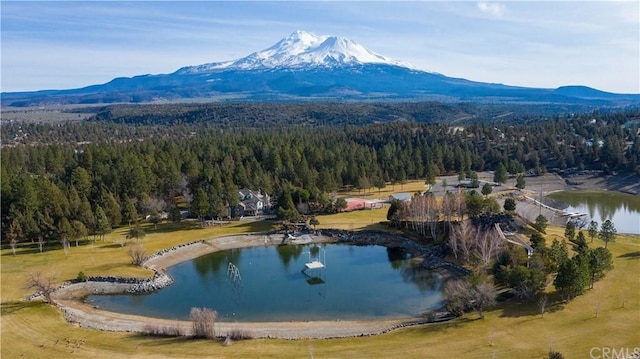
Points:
[589,140]
[423,213]
[572,274]
[478,245]
[526,277]
[68,190]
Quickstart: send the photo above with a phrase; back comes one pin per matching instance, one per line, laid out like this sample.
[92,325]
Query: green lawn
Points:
[513,330]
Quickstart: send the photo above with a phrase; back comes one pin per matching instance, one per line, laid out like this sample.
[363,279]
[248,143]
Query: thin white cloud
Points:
[72,44]
[494,9]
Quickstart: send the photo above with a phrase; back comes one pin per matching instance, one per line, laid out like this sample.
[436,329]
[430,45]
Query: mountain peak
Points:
[302,49]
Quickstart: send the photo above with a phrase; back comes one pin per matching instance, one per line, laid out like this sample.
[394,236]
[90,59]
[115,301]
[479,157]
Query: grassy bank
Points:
[512,330]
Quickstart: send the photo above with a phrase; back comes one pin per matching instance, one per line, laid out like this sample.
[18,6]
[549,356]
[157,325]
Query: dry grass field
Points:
[606,316]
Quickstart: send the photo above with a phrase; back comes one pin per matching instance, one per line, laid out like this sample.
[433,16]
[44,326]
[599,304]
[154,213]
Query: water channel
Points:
[622,209]
[268,284]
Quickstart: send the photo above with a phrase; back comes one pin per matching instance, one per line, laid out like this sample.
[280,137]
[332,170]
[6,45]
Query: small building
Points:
[402,197]
[467,183]
[355,204]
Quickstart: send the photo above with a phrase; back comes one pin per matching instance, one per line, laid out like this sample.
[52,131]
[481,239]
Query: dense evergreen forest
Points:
[70,179]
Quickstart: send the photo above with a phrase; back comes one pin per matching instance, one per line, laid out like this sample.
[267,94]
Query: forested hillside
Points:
[88,177]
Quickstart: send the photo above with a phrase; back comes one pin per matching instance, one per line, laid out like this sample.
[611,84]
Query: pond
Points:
[268,284]
[622,209]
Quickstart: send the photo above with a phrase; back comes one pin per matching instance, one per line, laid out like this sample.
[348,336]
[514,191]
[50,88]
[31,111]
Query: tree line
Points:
[68,189]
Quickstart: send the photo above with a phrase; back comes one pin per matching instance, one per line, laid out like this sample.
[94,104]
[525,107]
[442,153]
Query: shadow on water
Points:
[288,253]
[215,262]
[620,208]
[425,280]
[397,256]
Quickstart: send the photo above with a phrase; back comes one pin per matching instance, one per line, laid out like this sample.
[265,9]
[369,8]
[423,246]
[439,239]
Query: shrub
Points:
[239,334]
[137,254]
[163,331]
[81,277]
[204,320]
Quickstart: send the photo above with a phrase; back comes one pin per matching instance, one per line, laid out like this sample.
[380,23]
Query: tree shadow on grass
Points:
[520,308]
[169,227]
[32,248]
[255,226]
[7,308]
[159,340]
[440,326]
[114,245]
[630,255]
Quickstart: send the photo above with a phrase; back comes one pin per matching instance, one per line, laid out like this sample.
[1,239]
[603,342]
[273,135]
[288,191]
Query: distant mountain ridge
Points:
[303,67]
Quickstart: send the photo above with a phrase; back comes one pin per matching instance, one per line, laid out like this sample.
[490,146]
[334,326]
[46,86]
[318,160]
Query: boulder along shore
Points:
[69,297]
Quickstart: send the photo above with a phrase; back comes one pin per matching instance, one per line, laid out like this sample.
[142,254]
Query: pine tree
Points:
[593,230]
[608,232]
[500,175]
[570,281]
[570,231]
[102,222]
[200,205]
[600,262]
[520,182]
[486,189]
[130,213]
[509,205]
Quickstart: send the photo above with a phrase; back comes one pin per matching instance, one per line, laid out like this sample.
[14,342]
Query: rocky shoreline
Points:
[432,257]
[69,297]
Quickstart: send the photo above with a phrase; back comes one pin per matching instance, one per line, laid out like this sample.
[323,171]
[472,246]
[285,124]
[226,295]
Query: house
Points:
[252,203]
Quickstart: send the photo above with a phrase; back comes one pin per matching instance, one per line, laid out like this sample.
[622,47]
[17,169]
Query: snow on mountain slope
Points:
[301,50]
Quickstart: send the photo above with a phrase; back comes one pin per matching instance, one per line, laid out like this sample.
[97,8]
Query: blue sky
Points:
[69,44]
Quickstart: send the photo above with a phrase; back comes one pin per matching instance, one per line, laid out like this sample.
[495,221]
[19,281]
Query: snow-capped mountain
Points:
[305,66]
[301,50]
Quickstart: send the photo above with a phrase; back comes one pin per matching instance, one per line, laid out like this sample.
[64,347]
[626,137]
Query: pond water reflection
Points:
[622,209]
[358,282]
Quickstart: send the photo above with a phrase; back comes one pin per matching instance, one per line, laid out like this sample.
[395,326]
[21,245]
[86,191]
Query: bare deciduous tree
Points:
[462,238]
[461,295]
[448,206]
[14,245]
[14,233]
[433,210]
[469,241]
[137,254]
[461,203]
[542,304]
[483,296]
[43,284]
[204,320]
[66,245]
[487,246]
[40,242]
